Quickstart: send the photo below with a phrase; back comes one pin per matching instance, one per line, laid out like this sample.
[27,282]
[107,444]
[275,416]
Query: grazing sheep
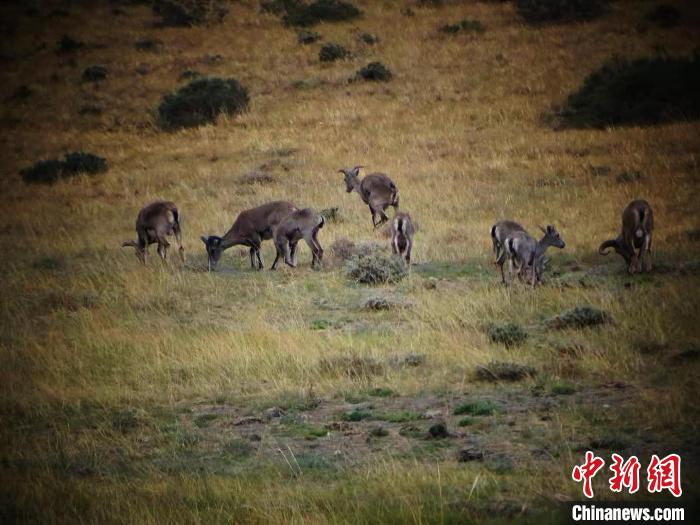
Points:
[250,228]
[300,224]
[634,241]
[153,224]
[527,254]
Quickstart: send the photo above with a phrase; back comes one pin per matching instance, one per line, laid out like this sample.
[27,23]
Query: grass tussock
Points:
[504,371]
[298,13]
[186,13]
[507,334]
[581,316]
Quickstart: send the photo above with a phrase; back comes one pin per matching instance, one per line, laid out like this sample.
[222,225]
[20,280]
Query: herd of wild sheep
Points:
[287,225]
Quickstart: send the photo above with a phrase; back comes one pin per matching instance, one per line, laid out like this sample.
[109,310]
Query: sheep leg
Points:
[647,253]
[252,258]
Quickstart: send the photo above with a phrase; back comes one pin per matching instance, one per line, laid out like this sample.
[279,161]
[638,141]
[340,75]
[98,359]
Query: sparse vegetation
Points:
[375,268]
[464,26]
[201,101]
[94,73]
[184,13]
[301,14]
[331,52]
[306,36]
[478,408]
[508,334]
[638,92]
[502,370]
[375,71]
[555,11]
[579,317]
[75,163]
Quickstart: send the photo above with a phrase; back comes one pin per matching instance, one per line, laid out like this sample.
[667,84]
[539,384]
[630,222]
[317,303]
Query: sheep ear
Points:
[356,170]
[205,239]
[543,230]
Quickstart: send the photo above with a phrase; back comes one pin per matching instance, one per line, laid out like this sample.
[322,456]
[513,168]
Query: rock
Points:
[438,431]
[274,412]
[470,454]
[431,414]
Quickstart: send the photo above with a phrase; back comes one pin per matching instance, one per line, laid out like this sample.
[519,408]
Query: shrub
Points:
[378,303]
[308,37]
[49,171]
[375,268]
[94,73]
[200,101]
[508,334]
[502,370]
[464,26]
[369,38]
[147,44]
[68,45]
[375,71]
[80,162]
[332,52]
[563,389]
[298,14]
[579,317]
[545,11]
[664,15]
[644,91]
[185,13]
[356,415]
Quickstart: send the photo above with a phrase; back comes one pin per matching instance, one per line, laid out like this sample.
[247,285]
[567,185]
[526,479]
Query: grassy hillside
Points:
[169,394]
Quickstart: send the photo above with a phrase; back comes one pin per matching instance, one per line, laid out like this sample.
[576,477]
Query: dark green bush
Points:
[375,71]
[201,101]
[148,44]
[94,73]
[185,13]
[644,91]
[546,11]
[369,38]
[463,26]
[508,334]
[375,268]
[49,171]
[68,45]
[332,52]
[79,162]
[579,317]
[504,371]
[308,37]
[664,15]
[298,14]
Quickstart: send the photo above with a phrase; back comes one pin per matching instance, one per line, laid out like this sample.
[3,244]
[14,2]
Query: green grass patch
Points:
[203,420]
[478,408]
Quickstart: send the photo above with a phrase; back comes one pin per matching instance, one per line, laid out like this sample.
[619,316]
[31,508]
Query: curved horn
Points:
[610,243]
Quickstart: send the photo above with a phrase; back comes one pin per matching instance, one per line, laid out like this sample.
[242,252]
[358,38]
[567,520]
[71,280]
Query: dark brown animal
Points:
[402,231]
[301,224]
[250,228]
[154,223]
[634,241]
[376,190]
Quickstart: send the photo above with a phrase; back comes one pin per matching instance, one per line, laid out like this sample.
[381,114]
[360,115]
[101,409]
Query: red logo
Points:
[587,471]
[665,474]
[662,474]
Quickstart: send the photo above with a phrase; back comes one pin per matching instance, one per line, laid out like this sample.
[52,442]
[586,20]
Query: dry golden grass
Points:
[458,129]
